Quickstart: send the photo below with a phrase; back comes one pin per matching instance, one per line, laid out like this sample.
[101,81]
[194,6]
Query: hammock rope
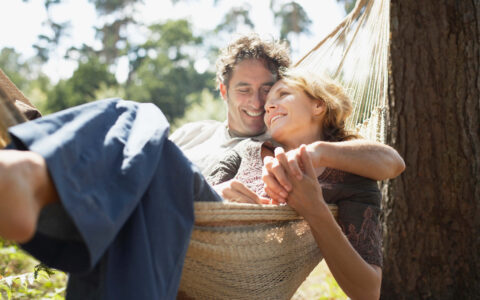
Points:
[355,53]
[244,251]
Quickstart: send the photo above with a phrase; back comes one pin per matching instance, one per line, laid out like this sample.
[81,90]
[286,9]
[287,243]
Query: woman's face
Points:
[291,117]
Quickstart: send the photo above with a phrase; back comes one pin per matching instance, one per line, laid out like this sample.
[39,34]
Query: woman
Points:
[303,108]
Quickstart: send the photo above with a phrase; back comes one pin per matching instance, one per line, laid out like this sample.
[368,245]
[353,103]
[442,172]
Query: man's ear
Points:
[223,91]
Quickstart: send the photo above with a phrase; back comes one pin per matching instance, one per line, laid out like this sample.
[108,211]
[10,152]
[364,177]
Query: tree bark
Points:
[432,211]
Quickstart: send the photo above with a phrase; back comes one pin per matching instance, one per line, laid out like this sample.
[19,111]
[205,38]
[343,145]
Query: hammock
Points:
[9,114]
[246,251]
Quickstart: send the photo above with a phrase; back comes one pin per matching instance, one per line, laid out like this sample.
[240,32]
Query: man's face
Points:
[245,97]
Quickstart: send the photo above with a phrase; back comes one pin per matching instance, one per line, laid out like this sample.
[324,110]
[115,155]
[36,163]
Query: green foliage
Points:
[48,42]
[25,75]
[321,285]
[106,7]
[236,17]
[81,87]
[111,37]
[41,267]
[293,19]
[22,277]
[166,76]
[48,3]
[173,38]
[203,106]
[161,69]
[348,4]
[16,70]
[105,91]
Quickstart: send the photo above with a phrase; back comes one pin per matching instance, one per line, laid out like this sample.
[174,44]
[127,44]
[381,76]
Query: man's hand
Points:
[278,169]
[235,191]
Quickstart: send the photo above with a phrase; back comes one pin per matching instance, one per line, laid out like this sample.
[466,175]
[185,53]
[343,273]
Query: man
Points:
[104,195]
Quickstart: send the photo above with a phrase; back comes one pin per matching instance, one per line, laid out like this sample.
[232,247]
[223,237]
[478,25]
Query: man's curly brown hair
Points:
[276,55]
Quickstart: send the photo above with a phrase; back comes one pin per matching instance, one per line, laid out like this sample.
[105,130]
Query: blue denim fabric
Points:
[128,190]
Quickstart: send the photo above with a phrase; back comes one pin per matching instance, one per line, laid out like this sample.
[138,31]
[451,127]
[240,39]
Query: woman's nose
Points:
[269,106]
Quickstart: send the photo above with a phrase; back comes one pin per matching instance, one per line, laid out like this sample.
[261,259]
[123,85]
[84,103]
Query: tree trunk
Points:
[432,211]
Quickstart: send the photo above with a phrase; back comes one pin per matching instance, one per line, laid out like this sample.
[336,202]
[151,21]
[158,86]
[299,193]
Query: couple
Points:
[104,195]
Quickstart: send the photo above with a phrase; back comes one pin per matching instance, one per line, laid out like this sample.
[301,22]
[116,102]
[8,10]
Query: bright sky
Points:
[21,23]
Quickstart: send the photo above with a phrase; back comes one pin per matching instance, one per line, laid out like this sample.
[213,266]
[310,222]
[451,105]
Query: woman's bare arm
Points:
[357,278]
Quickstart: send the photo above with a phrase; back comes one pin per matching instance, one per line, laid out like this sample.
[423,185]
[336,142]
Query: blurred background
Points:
[62,53]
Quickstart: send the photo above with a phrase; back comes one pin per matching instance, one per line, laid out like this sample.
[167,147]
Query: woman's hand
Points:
[306,195]
[278,172]
[235,191]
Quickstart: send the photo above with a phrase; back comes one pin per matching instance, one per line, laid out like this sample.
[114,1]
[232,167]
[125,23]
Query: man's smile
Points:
[254,114]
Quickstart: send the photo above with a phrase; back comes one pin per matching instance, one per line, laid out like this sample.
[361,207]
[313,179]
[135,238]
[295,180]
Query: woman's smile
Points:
[275,117]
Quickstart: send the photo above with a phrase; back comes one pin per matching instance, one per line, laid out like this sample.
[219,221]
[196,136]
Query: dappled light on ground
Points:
[320,285]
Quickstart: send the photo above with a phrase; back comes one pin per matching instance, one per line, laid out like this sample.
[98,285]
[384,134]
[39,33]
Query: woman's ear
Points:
[319,107]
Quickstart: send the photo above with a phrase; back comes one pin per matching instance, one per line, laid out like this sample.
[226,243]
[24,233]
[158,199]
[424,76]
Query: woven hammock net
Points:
[246,251]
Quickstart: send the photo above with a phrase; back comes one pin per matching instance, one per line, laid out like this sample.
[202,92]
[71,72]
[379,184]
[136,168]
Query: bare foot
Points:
[25,187]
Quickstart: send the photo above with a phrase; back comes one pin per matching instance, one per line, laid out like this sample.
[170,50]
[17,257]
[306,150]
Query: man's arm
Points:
[361,157]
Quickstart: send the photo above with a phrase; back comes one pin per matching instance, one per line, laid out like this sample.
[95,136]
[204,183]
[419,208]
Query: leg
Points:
[129,193]
[101,157]
[26,188]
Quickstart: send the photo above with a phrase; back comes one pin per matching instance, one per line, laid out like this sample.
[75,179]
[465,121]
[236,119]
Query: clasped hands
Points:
[289,177]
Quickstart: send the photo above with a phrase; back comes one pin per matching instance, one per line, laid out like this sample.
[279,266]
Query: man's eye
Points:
[244,91]
[266,89]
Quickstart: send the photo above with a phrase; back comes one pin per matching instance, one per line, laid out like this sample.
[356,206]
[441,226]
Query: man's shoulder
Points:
[204,124]
[195,130]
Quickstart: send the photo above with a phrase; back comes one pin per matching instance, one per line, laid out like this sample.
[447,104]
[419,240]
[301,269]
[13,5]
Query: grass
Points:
[21,278]
[320,284]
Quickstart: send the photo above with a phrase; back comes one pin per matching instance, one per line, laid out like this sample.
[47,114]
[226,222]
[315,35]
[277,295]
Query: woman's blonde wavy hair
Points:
[332,94]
